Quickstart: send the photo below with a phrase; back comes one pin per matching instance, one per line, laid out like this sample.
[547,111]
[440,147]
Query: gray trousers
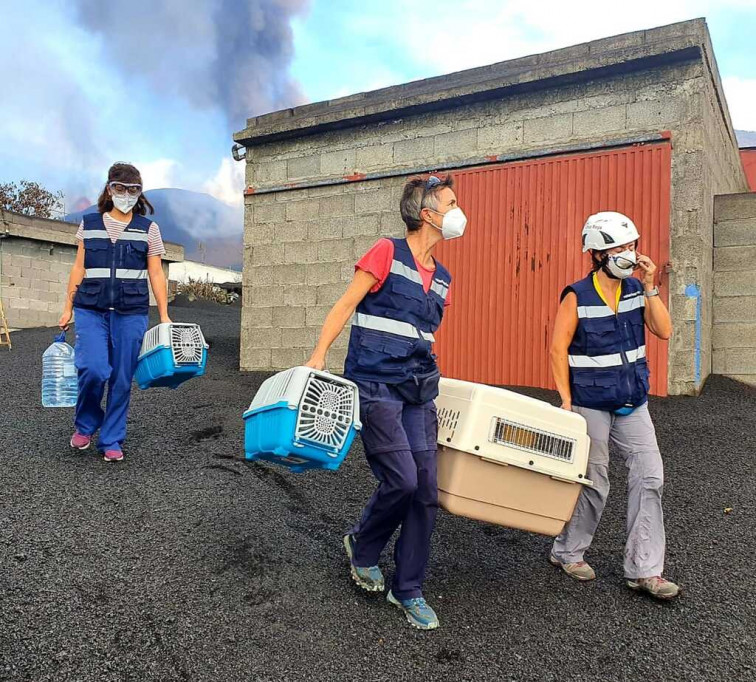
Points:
[635,438]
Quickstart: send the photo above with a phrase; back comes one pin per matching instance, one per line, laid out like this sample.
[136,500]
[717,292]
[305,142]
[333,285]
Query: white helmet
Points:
[608,229]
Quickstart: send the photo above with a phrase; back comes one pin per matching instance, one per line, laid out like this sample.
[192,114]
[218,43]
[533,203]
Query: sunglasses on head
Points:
[121,188]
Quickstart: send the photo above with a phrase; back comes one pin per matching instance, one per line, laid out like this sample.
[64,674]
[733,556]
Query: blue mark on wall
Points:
[692,291]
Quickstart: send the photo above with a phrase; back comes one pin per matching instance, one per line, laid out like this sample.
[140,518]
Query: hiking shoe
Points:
[113,456]
[419,614]
[370,578]
[579,570]
[80,441]
[657,587]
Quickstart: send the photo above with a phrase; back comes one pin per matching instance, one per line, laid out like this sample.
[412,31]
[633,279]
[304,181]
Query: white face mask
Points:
[125,202]
[453,224]
[621,265]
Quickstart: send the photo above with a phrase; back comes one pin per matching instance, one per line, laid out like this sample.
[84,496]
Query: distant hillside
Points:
[190,218]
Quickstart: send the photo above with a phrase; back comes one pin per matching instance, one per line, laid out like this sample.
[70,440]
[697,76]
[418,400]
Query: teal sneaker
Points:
[370,578]
[419,614]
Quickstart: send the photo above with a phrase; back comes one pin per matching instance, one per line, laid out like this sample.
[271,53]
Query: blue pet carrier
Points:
[172,353]
[302,419]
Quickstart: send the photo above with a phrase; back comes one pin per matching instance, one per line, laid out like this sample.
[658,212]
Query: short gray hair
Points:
[417,196]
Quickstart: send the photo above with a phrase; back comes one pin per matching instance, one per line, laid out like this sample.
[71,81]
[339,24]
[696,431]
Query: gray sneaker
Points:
[657,587]
[369,578]
[579,570]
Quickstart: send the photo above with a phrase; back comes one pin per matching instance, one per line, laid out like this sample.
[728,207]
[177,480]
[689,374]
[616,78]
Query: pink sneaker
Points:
[80,441]
[113,456]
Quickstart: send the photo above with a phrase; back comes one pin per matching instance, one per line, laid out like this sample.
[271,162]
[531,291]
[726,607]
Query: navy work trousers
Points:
[400,445]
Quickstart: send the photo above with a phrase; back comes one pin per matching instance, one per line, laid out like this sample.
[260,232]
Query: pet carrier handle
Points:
[495,461]
[60,338]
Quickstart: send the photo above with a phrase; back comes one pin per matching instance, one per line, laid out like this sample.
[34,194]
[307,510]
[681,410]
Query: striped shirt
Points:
[115,229]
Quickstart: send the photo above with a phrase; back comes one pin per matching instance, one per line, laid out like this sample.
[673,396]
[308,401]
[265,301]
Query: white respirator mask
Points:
[621,265]
[124,203]
[453,223]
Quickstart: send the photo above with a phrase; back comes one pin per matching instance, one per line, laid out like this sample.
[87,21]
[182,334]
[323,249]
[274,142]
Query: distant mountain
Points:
[746,138]
[208,229]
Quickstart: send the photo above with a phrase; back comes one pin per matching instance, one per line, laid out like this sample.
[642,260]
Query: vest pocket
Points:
[594,386]
[643,375]
[383,354]
[410,295]
[88,293]
[601,334]
[133,294]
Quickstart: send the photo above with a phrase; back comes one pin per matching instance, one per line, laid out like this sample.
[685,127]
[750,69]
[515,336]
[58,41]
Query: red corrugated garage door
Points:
[522,246]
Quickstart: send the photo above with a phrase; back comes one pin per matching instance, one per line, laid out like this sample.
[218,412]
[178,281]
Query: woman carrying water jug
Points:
[396,302]
[119,249]
[598,357]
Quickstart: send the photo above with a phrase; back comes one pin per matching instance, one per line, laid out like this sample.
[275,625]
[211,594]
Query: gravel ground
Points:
[186,563]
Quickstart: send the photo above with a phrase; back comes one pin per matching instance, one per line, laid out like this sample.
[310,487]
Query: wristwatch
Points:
[652,292]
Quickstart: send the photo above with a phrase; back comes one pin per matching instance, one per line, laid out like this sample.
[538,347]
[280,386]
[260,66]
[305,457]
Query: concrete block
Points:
[303,167]
[735,232]
[735,283]
[460,143]
[733,335]
[36,304]
[307,209]
[347,272]
[409,151]
[257,317]
[498,138]
[268,173]
[284,358]
[263,296]
[362,225]
[11,271]
[335,206]
[740,258]
[303,337]
[374,156]
[316,315]
[326,229]
[326,190]
[718,361]
[392,224]
[735,309]
[323,273]
[22,262]
[338,163]
[335,251]
[735,207]
[655,114]
[361,246]
[270,213]
[336,359]
[741,361]
[268,254]
[301,252]
[254,359]
[616,42]
[548,128]
[374,201]
[596,122]
[299,295]
[328,294]
[294,231]
[256,337]
[288,316]
[258,234]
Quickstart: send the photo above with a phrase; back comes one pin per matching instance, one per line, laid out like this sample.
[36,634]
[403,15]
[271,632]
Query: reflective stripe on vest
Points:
[440,288]
[625,306]
[612,360]
[120,273]
[399,268]
[385,324]
[126,235]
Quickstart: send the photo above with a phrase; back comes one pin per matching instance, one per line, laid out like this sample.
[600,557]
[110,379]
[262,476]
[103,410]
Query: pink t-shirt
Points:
[115,229]
[377,261]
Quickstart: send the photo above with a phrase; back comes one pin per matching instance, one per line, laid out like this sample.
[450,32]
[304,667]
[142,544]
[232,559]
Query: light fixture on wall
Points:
[239,152]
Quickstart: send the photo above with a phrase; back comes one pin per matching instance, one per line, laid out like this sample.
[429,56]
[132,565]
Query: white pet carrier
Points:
[507,458]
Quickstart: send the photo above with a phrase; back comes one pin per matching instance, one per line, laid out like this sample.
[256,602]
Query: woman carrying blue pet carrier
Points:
[119,249]
[396,301]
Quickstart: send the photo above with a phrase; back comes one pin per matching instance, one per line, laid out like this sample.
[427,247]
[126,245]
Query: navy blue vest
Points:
[392,329]
[607,355]
[116,274]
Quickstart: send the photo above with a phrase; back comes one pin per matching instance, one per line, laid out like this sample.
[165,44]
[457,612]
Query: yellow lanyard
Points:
[601,293]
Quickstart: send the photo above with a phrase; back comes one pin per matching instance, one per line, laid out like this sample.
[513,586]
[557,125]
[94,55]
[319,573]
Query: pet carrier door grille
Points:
[187,345]
[505,432]
[326,413]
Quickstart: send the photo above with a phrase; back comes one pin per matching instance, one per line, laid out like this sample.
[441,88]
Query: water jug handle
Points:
[60,338]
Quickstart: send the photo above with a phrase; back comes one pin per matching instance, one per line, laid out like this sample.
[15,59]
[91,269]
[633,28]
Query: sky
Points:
[164,84]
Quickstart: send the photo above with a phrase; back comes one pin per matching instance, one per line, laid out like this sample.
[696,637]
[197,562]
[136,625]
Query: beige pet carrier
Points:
[509,459]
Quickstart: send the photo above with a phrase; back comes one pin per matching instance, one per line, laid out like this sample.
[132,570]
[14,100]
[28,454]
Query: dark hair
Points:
[123,172]
[416,197]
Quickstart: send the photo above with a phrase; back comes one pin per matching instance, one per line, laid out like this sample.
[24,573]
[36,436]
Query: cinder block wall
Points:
[734,307]
[301,245]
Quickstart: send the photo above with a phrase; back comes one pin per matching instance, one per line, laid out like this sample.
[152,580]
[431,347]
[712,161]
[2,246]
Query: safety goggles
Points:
[624,263]
[121,188]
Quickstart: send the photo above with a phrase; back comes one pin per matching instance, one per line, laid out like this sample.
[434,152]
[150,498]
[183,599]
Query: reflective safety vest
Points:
[116,274]
[607,356]
[392,329]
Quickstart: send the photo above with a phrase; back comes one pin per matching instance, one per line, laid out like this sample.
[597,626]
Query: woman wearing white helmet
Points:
[598,357]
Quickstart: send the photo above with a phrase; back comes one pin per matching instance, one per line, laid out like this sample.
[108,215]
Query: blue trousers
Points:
[400,445]
[107,349]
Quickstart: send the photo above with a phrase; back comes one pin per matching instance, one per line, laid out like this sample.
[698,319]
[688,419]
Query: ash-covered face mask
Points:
[621,265]
[125,195]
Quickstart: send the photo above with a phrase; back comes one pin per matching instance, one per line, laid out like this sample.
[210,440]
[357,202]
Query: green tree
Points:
[30,198]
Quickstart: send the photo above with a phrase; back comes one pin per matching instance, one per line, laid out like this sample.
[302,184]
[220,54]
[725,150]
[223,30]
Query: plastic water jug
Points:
[60,386]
